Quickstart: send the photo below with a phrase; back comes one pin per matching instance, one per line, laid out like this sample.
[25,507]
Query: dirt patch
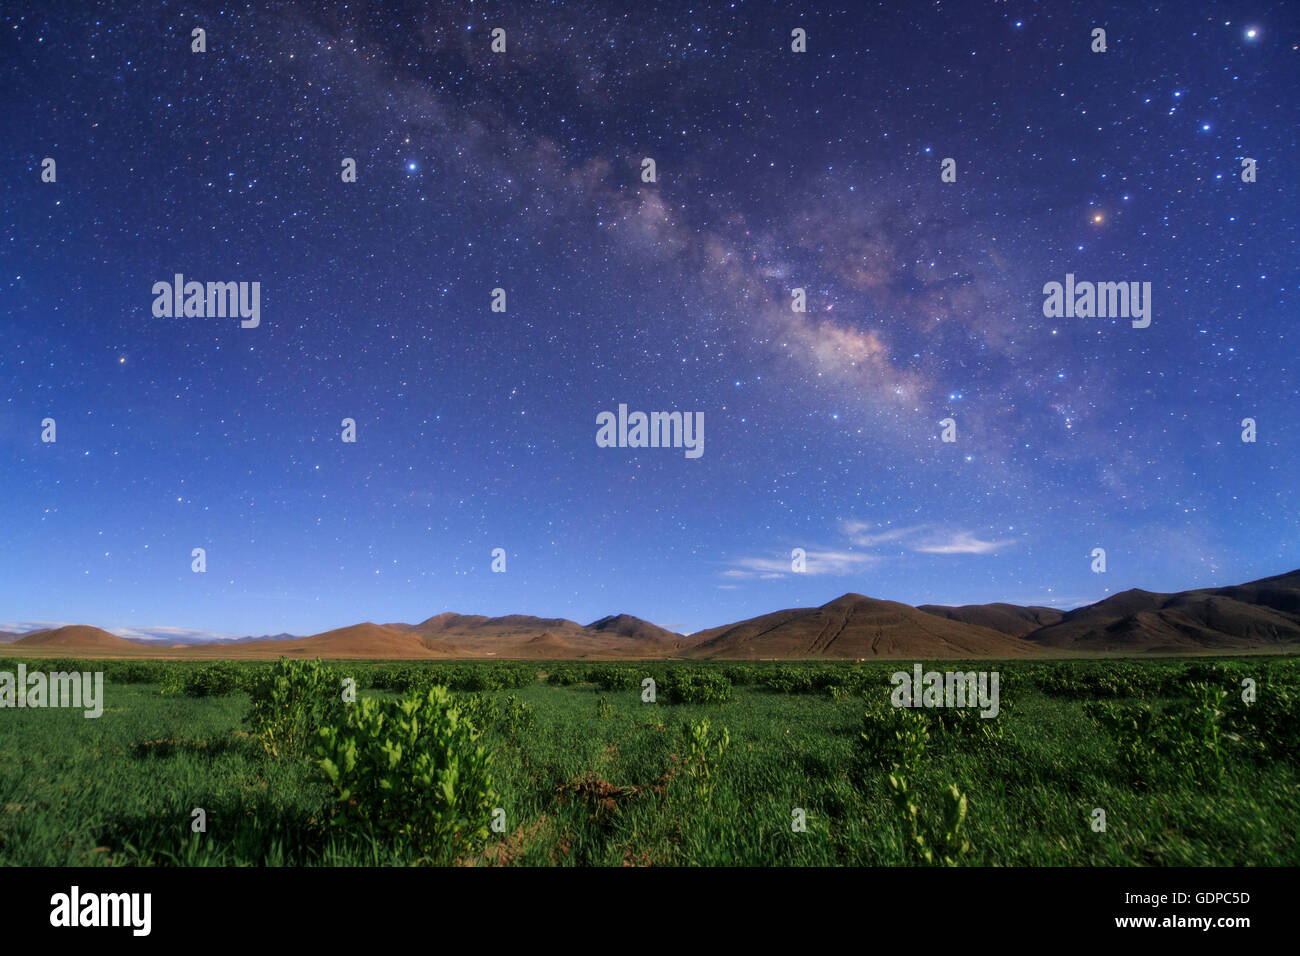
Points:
[509,848]
[596,792]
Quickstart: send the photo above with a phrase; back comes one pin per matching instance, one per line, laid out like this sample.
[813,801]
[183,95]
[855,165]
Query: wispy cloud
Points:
[816,562]
[923,538]
[861,535]
[157,635]
[959,542]
[169,635]
[830,562]
[29,627]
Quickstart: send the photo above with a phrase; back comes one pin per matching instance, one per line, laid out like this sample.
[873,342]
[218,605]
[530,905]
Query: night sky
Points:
[522,170]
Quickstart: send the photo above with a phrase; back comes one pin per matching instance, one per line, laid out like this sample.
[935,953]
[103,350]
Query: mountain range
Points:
[1261,615]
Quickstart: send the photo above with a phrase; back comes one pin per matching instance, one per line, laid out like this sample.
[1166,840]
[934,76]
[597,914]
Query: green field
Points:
[586,773]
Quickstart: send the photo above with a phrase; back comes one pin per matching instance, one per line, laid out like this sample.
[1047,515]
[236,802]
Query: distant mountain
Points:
[854,626]
[620,635]
[358,641]
[1258,615]
[625,625]
[1005,618]
[77,638]
[476,636]
[192,640]
[1262,614]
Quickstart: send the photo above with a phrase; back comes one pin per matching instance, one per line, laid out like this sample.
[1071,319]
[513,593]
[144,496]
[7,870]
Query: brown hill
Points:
[521,625]
[1005,618]
[625,625]
[545,646]
[854,626]
[358,641]
[522,635]
[1259,615]
[77,638]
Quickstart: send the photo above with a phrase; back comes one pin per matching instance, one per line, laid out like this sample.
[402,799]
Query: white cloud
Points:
[958,542]
[816,562]
[859,536]
[168,635]
[922,539]
[158,635]
[29,627]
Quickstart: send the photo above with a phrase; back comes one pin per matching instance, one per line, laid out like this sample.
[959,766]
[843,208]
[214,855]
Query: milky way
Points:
[522,171]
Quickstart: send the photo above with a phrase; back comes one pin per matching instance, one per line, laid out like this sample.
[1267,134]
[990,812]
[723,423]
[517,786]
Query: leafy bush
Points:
[562,675]
[703,754]
[207,680]
[410,770]
[942,844]
[697,687]
[1188,735]
[893,738]
[967,723]
[137,672]
[787,679]
[615,677]
[498,675]
[509,717]
[740,675]
[291,700]
[1269,728]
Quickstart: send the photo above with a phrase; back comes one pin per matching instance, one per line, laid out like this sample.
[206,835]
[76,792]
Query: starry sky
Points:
[522,170]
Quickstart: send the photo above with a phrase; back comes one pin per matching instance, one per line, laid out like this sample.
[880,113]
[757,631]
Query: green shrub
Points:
[509,717]
[205,680]
[702,755]
[924,841]
[291,700]
[1188,735]
[1269,728]
[410,770]
[893,739]
[136,672]
[615,677]
[689,686]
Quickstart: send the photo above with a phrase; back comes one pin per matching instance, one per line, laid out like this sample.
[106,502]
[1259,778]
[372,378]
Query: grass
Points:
[594,786]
